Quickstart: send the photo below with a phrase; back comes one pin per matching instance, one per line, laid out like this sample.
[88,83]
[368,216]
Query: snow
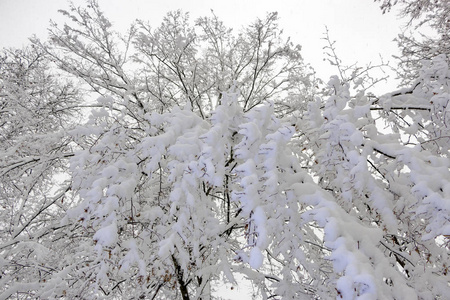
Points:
[330,200]
[256,258]
[259,218]
[166,247]
[107,236]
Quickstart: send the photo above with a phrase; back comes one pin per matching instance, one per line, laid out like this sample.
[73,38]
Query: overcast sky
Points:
[362,32]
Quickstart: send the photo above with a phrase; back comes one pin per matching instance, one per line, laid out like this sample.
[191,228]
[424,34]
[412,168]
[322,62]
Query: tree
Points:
[178,63]
[209,155]
[418,46]
[35,107]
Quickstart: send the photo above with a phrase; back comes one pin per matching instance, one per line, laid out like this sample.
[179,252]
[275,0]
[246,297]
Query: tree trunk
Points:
[181,283]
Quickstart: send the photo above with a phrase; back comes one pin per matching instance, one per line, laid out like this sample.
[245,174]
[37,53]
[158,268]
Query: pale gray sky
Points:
[362,32]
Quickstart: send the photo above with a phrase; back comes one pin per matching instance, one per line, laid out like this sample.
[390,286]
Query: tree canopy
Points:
[211,156]
[418,46]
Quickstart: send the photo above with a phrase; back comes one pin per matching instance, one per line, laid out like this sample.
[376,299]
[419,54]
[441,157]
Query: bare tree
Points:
[36,110]
[417,46]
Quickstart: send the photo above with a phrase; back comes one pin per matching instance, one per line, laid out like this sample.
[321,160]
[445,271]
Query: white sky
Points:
[362,32]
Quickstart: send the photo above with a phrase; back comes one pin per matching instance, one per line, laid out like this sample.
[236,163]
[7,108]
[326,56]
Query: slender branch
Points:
[397,254]
[403,108]
[41,211]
